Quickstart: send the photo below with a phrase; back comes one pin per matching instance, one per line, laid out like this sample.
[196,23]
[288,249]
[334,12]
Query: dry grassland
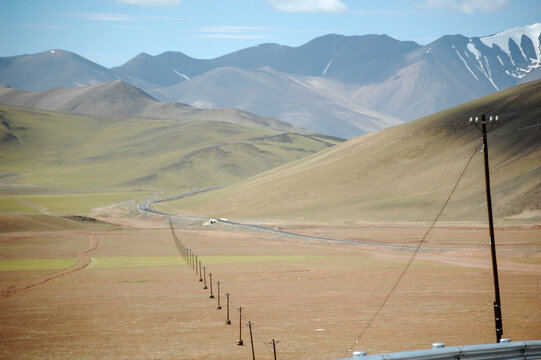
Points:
[315,298]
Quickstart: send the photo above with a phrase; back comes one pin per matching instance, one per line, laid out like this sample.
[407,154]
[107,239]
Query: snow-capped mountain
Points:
[518,49]
[503,58]
[344,85]
[375,72]
[455,69]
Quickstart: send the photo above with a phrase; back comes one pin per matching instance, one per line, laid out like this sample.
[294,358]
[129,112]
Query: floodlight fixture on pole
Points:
[481,124]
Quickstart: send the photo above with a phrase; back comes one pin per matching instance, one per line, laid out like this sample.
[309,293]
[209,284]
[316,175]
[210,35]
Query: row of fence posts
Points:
[193,261]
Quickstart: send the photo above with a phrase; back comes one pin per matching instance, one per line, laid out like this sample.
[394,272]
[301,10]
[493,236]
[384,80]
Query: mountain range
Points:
[120,99]
[338,85]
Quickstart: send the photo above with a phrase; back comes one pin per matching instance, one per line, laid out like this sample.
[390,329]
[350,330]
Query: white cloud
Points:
[118,17]
[230,29]
[384,12]
[102,16]
[231,32]
[244,32]
[231,36]
[467,6]
[39,26]
[330,6]
[152,3]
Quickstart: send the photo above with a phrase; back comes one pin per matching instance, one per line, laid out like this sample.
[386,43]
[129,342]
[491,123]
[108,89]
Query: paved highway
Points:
[145,207]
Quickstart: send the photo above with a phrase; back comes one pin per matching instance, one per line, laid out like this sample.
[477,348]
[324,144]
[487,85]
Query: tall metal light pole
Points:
[497,304]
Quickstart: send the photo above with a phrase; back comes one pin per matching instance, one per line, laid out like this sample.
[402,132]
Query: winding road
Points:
[145,207]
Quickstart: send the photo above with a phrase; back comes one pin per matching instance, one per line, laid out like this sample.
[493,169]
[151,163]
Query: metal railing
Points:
[516,350]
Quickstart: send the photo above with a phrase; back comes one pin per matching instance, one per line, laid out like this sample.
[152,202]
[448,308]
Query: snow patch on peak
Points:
[474,51]
[502,39]
[466,64]
[326,68]
[181,75]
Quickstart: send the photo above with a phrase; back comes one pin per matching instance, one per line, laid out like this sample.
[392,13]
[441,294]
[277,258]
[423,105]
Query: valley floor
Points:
[129,295]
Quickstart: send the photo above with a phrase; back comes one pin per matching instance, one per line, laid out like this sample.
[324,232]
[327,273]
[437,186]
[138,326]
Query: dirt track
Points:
[83,261]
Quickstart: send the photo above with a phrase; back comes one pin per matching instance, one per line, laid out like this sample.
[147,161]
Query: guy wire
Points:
[413,256]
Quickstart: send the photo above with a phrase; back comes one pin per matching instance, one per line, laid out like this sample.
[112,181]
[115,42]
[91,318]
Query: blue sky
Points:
[110,32]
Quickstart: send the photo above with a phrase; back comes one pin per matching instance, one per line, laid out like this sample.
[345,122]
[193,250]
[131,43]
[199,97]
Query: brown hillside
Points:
[404,173]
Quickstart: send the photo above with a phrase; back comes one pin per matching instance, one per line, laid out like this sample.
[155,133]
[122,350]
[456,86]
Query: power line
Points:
[536,110]
[516,130]
[181,249]
[413,256]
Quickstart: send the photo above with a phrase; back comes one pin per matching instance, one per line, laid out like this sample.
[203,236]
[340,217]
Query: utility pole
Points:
[274,348]
[251,339]
[227,321]
[211,294]
[239,341]
[205,278]
[497,304]
[219,307]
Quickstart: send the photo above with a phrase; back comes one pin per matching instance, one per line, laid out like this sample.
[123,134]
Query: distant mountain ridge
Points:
[43,148]
[120,99]
[369,82]
[52,69]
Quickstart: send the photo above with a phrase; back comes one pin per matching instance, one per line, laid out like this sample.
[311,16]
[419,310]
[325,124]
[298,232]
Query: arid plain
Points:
[84,274]
[135,298]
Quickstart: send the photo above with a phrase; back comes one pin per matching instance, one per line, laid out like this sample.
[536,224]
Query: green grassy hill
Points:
[403,173]
[80,153]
